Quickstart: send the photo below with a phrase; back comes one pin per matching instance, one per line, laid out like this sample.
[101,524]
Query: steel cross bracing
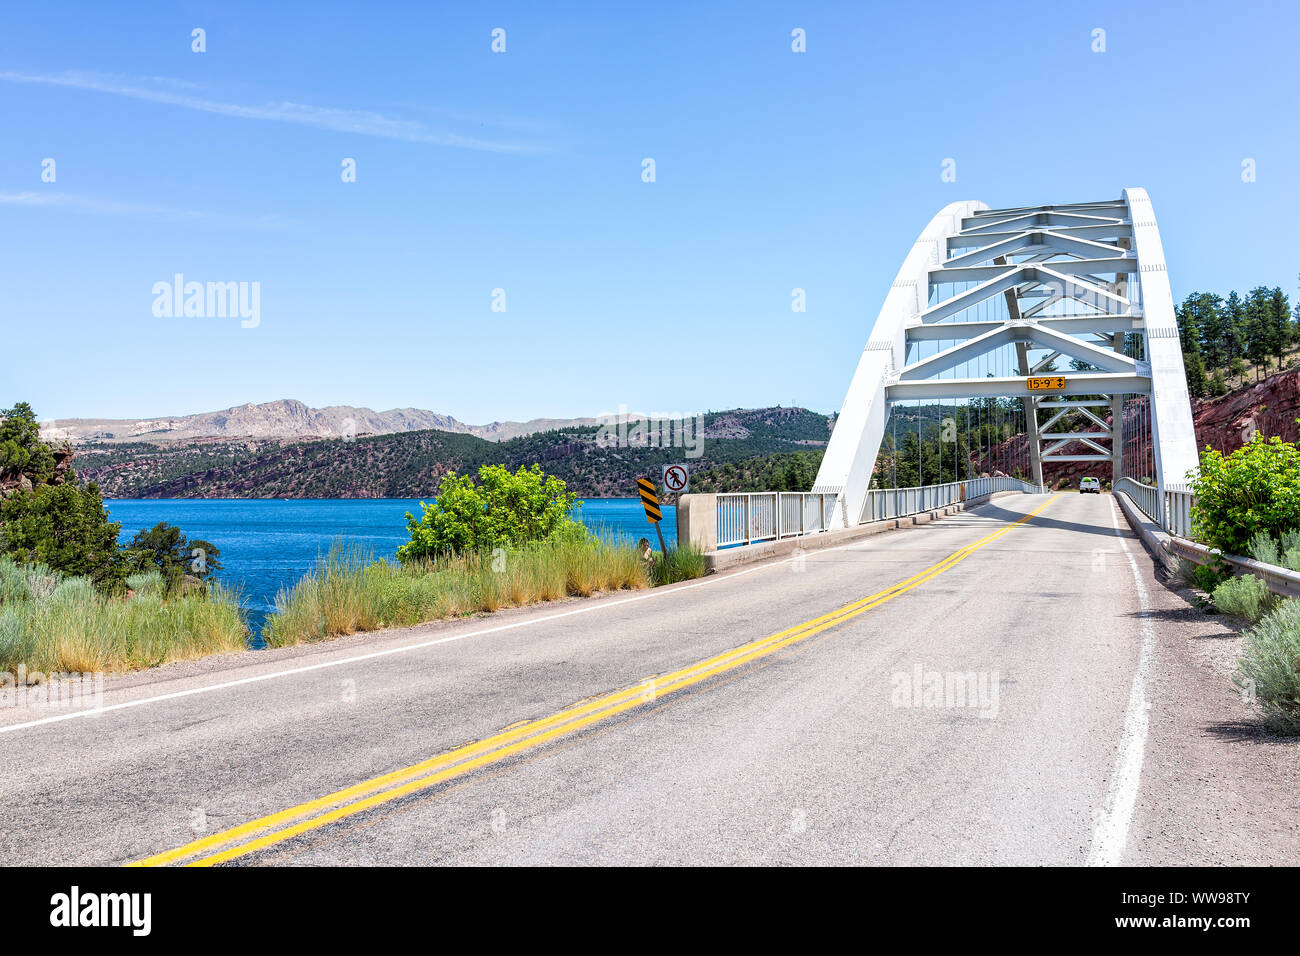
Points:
[987,298]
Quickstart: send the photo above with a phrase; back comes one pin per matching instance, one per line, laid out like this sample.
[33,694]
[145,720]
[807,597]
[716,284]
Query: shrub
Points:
[74,627]
[15,636]
[21,448]
[41,580]
[1187,573]
[1282,553]
[147,582]
[1246,597]
[501,510]
[165,549]
[1262,547]
[1255,488]
[1270,667]
[66,527]
[350,593]
[13,582]
[72,591]
[1208,577]
[680,564]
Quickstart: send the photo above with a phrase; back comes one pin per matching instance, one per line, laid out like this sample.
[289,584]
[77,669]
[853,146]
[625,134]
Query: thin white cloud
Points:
[359,122]
[112,207]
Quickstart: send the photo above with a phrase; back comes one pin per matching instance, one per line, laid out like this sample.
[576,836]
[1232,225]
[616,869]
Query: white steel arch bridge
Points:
[986,304]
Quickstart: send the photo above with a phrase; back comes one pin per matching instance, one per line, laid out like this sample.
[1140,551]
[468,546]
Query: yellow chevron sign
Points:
[649,499]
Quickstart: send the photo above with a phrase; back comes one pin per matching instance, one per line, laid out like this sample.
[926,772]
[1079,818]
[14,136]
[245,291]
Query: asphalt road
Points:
[826,745]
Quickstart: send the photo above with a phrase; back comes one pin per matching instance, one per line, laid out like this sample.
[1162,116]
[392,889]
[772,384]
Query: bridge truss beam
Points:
[1083,281]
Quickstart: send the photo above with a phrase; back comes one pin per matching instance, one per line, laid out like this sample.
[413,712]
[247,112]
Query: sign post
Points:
[650,501]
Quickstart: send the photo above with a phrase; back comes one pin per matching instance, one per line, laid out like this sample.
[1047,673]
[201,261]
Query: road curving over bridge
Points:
[972,691]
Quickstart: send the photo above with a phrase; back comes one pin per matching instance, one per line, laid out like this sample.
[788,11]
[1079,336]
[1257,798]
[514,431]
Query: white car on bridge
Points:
[1090,486]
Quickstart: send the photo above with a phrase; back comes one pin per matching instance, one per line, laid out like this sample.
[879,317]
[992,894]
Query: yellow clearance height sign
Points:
[1051,383]
[649,499]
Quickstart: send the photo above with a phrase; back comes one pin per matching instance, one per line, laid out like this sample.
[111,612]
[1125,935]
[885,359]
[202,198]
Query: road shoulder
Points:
[1217,788]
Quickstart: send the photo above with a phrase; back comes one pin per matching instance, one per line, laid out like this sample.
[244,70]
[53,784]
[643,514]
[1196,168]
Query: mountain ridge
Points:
[288,419]
[411,464]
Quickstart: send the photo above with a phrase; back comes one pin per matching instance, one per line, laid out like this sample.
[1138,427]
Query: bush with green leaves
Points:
[1205,577]
[163,548]
[1270,667]
[66,527]
[1255,488]
[21,448]
[501,510]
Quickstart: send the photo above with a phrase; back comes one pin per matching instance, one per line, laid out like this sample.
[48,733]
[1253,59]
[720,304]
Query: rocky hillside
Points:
[16,479]
[285,419]
[1270,406]
[411,464]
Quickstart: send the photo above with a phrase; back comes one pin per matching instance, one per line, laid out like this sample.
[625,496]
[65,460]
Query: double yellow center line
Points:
[278,827]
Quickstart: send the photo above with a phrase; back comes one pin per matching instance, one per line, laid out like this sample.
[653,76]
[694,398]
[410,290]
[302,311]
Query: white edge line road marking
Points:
[1112,829]
[258,678]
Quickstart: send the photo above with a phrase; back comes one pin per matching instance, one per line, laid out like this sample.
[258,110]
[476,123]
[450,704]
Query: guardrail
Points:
[752,517]
[1281,581]
[1172,512]
[881,504]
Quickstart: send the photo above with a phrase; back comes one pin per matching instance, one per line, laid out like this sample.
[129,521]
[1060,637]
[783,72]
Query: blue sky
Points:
[522,171]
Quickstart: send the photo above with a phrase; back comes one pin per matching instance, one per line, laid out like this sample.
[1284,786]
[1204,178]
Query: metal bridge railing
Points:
[1146,497]
[752,517]
[881,504]
[769,515]
[1171,510]
[1177,504]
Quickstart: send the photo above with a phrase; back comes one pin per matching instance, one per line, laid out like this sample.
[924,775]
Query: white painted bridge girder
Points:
[1102,263]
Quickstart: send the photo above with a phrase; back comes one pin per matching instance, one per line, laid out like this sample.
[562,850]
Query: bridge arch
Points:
[987,301]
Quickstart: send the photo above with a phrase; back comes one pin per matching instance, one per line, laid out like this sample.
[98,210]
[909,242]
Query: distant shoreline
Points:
[306,498]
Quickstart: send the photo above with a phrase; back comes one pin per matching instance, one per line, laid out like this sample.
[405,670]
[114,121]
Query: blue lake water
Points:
[269,543]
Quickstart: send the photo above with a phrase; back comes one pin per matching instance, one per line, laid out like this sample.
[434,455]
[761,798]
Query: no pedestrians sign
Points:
[677,479]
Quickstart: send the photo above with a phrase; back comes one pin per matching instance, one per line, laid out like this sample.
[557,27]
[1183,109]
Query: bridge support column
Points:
[1030,405]
[1031,419]
[1117,423]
